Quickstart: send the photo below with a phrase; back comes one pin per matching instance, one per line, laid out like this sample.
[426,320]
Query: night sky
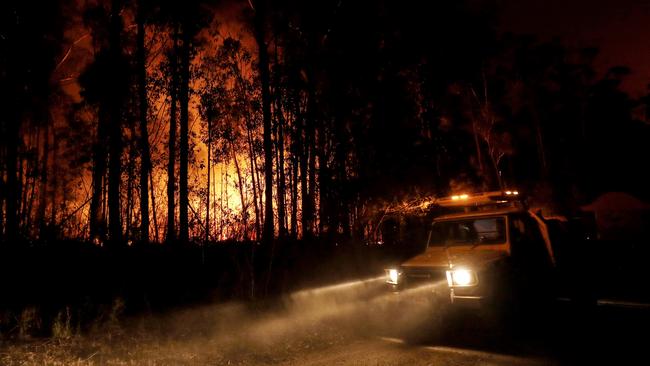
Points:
[620,29]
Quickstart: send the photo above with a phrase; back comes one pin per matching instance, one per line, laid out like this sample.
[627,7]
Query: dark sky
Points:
[620,29]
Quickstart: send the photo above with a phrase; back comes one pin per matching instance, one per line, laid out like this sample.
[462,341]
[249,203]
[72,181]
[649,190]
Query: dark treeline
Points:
[131,121]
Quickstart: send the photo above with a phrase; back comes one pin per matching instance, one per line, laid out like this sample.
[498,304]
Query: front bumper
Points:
[422,286]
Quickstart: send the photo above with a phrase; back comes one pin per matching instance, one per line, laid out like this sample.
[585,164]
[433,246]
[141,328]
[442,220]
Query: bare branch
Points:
[67,54]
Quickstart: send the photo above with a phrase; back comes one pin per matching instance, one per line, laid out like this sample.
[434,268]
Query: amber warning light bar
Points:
[477,199]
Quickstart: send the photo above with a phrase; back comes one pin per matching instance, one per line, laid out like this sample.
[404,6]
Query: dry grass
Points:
[171,344]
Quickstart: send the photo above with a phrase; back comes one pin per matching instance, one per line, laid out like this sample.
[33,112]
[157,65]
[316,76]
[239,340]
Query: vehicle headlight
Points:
[392,276]
[461,277]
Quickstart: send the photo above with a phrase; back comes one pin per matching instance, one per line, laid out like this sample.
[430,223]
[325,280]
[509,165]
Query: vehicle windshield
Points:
[479,231]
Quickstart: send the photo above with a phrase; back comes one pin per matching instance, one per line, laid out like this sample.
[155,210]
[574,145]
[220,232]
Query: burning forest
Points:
[163,154]
[161,122]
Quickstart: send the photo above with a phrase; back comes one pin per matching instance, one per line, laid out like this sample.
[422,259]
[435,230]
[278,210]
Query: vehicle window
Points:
[489,230]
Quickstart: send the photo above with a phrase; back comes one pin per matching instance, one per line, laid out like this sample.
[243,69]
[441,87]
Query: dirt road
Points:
[354,323]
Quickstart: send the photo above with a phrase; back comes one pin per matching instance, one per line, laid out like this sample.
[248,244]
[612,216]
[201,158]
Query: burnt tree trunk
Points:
[153,207]
[303,150]
[252,157]
[294,191]
[97,218]
[310,209]
[171,163]
[280,184]
[115,129]
[183,97]
[263,59]
[279,149]
[42,191]
[242,197]
[207,195]
[13,184]
[343,203]
[324,218]
[54,178]
[145,158]
[130,182]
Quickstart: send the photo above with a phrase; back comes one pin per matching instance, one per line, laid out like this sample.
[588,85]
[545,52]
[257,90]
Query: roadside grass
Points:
[226,334]
[161,306]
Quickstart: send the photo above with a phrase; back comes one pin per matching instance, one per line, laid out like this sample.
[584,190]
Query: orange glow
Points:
[231,200]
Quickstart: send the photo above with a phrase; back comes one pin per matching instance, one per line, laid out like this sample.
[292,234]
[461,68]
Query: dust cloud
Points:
[302,321]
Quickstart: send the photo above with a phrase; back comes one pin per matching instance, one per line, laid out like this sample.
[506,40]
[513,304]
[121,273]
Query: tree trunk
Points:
[153,207]
[306,214]
[242,197]
[295,163]
[258,182]
[324,218]
[42,191]
[279,129]
[31,175]
[171,164]
[251,152]
[281,184]
[115,131]
[254,179]
[55,181]
[343,202]
[310,154]
[294,192]
[97,218]
[184,134]
[207,196]
[312,176]
[224,187]
[145,158]
[263,59]
[130,182]
[13,184]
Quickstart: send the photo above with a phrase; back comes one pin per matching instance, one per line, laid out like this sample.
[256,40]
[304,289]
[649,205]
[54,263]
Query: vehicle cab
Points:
[492,248]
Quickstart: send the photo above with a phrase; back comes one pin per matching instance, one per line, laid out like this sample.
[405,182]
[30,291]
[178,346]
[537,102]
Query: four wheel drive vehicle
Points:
[494,252]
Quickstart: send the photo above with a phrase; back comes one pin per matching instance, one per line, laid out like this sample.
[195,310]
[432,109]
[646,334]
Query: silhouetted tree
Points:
[260,23]
[116,89]
[171,143]
[28,47]
[145,157]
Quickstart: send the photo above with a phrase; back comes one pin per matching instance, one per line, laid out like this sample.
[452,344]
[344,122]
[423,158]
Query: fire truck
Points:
[490,250]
